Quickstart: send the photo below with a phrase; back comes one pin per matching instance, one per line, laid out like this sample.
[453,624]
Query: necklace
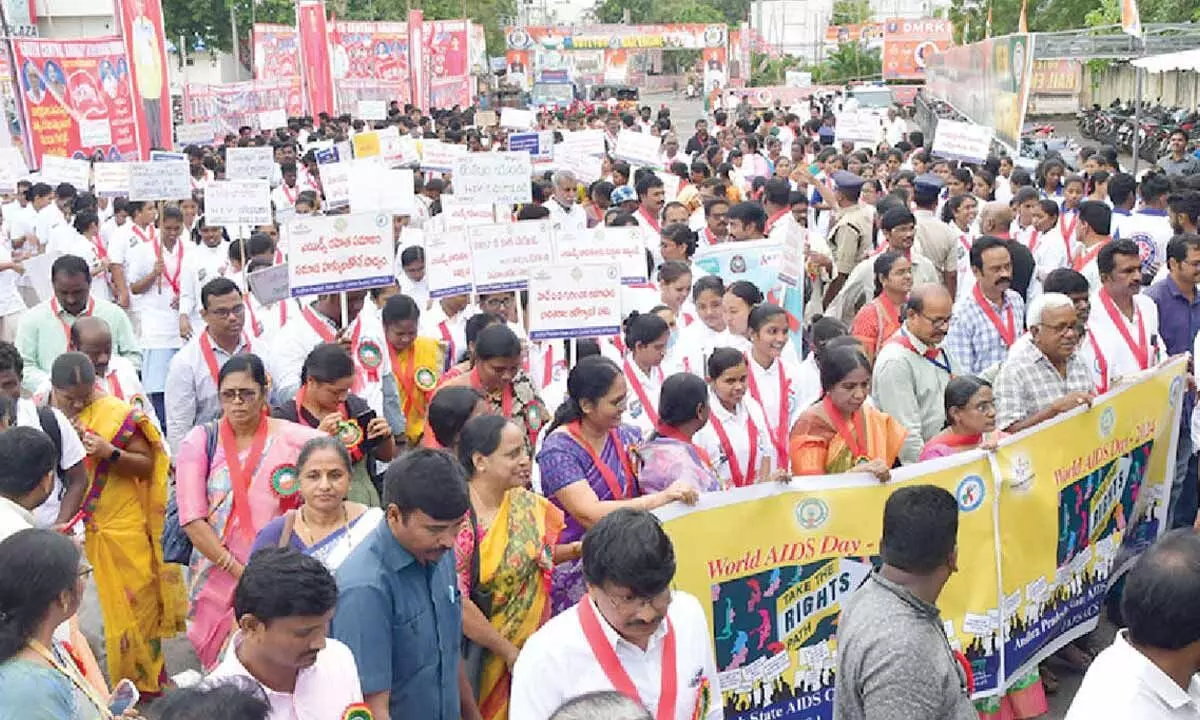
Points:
[304,530]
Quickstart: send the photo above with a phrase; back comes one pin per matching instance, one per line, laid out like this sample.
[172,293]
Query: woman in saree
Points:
[227,497]
[672,453]
[324,402]
[842,433]
[504,555]
[586,467]
[327,525]
[141,597]
[971,424]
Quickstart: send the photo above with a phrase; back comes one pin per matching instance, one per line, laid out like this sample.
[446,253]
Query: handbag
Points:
[176,545]
[473,653]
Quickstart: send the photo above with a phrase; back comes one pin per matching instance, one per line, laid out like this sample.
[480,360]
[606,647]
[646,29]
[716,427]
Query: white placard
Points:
[437,155]
[620,246]
[94,132]
[396,151]
[251,163]
[447,263]
[238,202]
[517,118]
[153,181]
[457,214]
[568,301]
[66,170]
[272,119]
[335,182]
[200,133]
[335,253]
[503,255]
[269,285]
[962,141]
[376,188]
[586,168]
[111,179]
[12,168]
[372,110]
[587,142]
[637,148]
[860,126]
[798,78]
[498,178]
[670,184]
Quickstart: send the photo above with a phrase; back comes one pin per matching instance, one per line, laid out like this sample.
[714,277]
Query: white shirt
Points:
[547,363]
[159,320]
[124,239]
[72,454]
[962,256]
[200,265]
[895,130]
[1052,252]
[737,426]
[1114,356]
[66,240]
[770,396]
[10,298]
[109,228]
[1123,683]
[574,218]
[696,342]
[48,218]
[191,390]
[21,219]
[264,321]
[323,690]
[451,332]
[13,518]
[285,197]
[808,383]
[651,236]
[635,412]
[540,685]
[1150,229]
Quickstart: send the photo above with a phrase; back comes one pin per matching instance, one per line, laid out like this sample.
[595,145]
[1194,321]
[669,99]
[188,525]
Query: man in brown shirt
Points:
[935,239]
[851,236]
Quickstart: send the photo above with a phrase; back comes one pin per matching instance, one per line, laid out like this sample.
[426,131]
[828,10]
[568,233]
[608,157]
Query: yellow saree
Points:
[141,597]
[417,371]
[515,560]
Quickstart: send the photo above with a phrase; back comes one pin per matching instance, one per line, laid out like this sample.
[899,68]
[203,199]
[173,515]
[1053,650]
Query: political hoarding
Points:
[233,105]
[77,99]
[988,81]
[1083,485]
[909,43]
[146,49]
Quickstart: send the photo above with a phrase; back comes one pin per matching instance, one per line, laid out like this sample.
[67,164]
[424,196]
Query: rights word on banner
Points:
[272,119]
[269,285]
[200,133]
[962,141]
[503,255]
[620,246]
[238,202]
[372,110]
[568,301]
[335,181]
[66,170]
[153,181]
[638,148]
[498,178]
[857,126]
[447,263]
[111,179]
[337,253]
[252,163]
[440,156]
[517,118]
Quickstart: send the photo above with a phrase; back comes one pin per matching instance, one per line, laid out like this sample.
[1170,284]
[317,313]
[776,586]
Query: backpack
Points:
[176,545]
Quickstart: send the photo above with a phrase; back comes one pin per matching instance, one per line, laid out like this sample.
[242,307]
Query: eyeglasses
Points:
[936,322]
[224,313]
[245,395]
[1062,328]
[659,602]
[498,302]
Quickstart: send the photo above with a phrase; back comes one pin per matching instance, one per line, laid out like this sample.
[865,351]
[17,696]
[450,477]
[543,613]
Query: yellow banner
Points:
[774,563]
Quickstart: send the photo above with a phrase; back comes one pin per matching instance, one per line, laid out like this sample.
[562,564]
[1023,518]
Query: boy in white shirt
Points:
[203,262]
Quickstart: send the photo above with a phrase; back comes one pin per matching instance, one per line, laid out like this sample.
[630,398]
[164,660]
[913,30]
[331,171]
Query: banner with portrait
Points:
[988,81]
[77,99]
[1046,523]
[233,105]
[909,43]
[146,47]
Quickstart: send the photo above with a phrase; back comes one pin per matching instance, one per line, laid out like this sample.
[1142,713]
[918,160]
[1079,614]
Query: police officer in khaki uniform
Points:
[852,234]
[935,239]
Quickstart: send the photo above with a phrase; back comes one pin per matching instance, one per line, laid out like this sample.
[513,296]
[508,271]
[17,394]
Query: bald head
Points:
[995,219]
[928,312]
[91,336]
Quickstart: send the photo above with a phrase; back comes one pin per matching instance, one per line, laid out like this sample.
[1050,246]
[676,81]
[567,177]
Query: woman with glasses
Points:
[141,597]
[879,319]
[504,556]
[970,419]
[324,402]
[42,578]
[497,374]
[232,478]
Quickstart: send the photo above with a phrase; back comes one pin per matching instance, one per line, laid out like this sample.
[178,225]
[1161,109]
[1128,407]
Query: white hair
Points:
[561,175]
[601,705]
[1044,302]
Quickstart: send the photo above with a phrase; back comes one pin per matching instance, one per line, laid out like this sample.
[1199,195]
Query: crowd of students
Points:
[322,469]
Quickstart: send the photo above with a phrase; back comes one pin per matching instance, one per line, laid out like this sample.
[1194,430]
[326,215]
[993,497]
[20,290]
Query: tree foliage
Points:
[970,16]
[850,61]
[851,12]
[731,12]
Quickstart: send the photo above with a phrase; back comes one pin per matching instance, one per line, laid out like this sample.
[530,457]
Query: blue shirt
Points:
[1178,321]
[381,586]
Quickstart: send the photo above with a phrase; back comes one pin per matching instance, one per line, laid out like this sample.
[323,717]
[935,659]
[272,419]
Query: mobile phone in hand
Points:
[124,696]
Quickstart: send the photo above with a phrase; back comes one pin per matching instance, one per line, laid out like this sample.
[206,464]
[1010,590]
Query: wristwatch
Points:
[114,456]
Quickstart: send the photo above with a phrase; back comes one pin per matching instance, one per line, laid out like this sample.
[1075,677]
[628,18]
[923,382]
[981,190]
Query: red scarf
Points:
[855,438]
[241,476]
[1007,329]
[739,477]
[57,311]
[1082,261]
[615,487]
[772,220]
[1140,349]
[632,377]
[652,221]
[669,432]
[615,671]
[779,433]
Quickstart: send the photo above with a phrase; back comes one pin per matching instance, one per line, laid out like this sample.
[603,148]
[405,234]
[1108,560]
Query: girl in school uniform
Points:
[771,380]
[646,338]
[737,436]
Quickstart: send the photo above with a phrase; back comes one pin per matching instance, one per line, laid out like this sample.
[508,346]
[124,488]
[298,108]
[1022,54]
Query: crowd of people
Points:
[286,482]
